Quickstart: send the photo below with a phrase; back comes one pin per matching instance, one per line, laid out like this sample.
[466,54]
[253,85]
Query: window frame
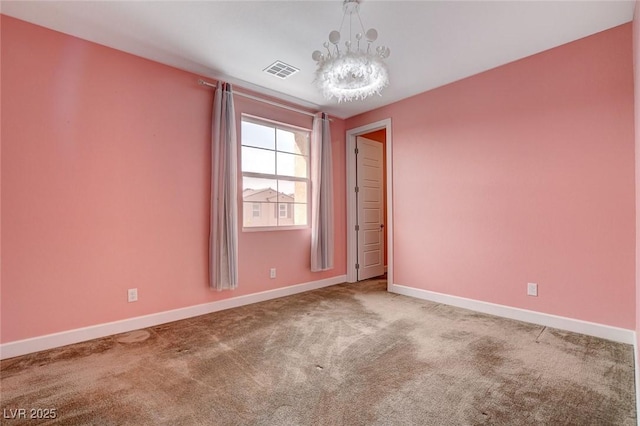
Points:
[261,121]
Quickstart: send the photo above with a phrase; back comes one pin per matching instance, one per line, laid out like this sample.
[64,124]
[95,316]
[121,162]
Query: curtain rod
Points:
[255,98]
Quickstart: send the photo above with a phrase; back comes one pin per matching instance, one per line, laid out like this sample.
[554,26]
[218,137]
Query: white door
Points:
[370,203]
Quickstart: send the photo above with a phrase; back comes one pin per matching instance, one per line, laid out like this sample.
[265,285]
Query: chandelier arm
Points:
[361,24]
[344,15]
[350,25]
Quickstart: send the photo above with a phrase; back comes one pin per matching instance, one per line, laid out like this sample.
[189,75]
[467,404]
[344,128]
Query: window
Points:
[256,210]
[275,174]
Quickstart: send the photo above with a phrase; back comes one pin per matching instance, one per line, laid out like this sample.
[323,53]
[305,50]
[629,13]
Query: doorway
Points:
[369,202]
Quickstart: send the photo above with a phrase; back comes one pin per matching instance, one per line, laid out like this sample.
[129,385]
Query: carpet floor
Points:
[350,354]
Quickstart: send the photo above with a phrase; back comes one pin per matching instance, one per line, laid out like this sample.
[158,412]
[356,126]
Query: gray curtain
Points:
[321,195]
[223,230]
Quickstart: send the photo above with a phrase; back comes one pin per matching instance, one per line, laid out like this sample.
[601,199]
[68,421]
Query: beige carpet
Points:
[344,355]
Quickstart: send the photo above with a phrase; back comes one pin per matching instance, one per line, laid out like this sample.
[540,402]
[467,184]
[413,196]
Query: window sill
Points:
[275,228]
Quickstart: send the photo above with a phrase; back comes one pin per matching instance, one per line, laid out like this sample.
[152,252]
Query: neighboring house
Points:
[267,207]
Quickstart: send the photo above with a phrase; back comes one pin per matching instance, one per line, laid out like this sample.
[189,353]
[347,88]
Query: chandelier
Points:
[356,71]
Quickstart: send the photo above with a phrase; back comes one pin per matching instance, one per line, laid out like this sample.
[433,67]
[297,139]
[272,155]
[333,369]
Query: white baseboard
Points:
[637,376]
[615,334]
[49,341]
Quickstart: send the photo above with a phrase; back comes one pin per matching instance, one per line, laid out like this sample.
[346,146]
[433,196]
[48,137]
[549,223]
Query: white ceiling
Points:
[432,42]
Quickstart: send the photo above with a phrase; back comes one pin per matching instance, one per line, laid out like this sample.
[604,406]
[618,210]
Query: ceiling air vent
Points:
[281,70]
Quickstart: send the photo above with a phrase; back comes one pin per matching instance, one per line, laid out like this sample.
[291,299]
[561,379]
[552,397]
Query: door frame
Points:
[352,212]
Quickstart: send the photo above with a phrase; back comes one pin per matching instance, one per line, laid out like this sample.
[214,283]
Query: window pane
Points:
[260,200]
[258,214]
[298,213]
[294,142]
[286,140]
[252,186]
[257,135]
[258,160]
[295,191]
[292,165]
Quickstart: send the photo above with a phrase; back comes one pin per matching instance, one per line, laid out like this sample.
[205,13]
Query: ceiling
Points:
[432,42]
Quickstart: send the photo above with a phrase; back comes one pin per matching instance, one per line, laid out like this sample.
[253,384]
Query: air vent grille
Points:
[281,70]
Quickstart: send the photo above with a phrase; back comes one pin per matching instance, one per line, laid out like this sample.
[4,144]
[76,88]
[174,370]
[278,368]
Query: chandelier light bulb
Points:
[354,74]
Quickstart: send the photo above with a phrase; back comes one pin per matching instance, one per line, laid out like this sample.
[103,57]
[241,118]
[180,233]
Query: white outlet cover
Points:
[272,273]
[132,295]
[532,289]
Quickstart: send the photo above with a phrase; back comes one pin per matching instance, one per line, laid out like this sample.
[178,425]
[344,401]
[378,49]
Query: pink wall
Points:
[636,75]
[105,183]
[524,173]
[0,183]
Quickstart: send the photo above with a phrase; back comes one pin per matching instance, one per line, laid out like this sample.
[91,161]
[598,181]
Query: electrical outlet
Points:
[132,295]
[532,289]
[272,273]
